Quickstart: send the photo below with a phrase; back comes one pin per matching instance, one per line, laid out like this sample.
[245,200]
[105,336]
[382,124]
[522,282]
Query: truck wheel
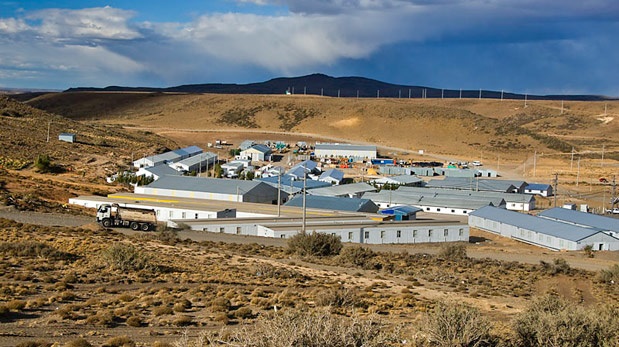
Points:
[134,226]
[145,227]
[106,222]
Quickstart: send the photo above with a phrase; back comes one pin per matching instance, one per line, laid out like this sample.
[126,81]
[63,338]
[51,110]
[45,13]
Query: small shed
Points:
[66,137]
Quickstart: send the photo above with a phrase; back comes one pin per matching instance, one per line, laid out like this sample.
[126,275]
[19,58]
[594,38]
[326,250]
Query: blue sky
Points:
[525,46]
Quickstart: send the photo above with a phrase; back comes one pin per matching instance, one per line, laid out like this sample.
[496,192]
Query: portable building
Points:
[334,203]
[352,190]
[344,150]
[540,231]
[257,153]
[539,189]
[67,137]
[332,176]
[588,220]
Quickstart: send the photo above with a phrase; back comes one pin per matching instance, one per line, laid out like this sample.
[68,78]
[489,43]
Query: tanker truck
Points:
[135,218]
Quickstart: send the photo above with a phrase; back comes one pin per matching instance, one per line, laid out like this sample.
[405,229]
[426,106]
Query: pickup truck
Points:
[613,211]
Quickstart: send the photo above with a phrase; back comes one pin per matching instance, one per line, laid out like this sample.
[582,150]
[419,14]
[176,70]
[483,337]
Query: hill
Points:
[345,87]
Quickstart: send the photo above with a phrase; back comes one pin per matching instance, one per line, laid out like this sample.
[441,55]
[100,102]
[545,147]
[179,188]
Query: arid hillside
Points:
[463,127]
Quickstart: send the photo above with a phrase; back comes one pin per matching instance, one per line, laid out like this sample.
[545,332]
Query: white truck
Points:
[613,211]
[135,218]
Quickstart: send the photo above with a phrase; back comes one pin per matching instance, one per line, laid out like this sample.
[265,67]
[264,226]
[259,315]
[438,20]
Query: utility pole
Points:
[442,93]
[279,194]
[378,94]
[409,93]
[534,163]
[501,94]
[304,90]
[480,94]
[460,93]
[602,164]
[304,206]
[399,93]
[555,184]
[572,160]
[338,93]
[321,91]
[561,106]
[578,172]
[525,100]
[49,125]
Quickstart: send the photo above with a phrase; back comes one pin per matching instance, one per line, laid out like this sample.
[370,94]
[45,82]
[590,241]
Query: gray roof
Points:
[343,189]
[196,159]
[475,184]
[290,185]
[344,146]
[333,203]
[260,148]
[332,173]
[467,203]
[480,195]
[162,170]
[584,219]
[401,179]
[540,225]
[208,185]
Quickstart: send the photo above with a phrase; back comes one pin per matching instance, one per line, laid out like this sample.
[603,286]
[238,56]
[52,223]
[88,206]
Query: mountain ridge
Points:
[346,87]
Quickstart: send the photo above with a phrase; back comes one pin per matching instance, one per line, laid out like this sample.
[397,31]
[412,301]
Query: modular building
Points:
[588,220]
[67,137]
[344,150]
[539,231]
[196,163]
[168,157]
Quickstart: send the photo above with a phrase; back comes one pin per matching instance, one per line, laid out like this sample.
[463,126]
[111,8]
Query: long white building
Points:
[344,150]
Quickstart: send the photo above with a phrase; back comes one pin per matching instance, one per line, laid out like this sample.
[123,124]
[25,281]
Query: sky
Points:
[522,46]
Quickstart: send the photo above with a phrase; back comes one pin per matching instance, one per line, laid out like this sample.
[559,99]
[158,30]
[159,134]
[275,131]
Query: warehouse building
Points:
[168,157]
[540,231]
[453,205]
[157,171]
[401,180]
[344,150]
[333,203]
[350,229]
[211,188]
[291,185]
[479,184]
[332,176]
[256,153]
[513,201]
[583,219]
[353,190]
[196,163]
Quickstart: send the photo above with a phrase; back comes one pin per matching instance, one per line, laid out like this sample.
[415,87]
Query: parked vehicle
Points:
[135,218]
[613,211]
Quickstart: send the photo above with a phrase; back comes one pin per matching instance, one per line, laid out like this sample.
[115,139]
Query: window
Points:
[382,234]
[414,233]
[445,232]
[195,216]
[366,235]
[183,215]
[453,211]
[238,230]
[171,214]
[430,233]
[427,209]
[460,232]
[158,212]
[350,235]
[438,209]
[221,229]
[399,233]
[464,211]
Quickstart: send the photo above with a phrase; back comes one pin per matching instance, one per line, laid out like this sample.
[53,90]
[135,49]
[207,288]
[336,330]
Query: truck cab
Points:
[104,212]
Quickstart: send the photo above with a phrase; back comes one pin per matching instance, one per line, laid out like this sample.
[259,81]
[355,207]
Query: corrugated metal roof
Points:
[162,170]
[588,220]
[537,224]
[260,148]
[207,185]
[537,186]
[344,147]
[332,173]
[192,150]
[401,179]
[288,181]
[479,195]
[343,189]
[402,210]
[473,184]
[334,203]
[466,203]
[196,159]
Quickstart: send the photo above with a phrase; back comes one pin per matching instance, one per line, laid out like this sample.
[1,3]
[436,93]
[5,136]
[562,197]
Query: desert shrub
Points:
[124,257]
[313,329]
[455,324]
[34,249]
[3,310]
[37,343]
[16,305]
[43,163]
[183,321]
[134,321]
[102,318]
[315,244]
[362,257]
[589,251]
[339,296]
[119,341]
[453,252]
[551,321]
[161,310]
[558,266]
[243,313]
[182,305]
[168,236]
[220,304]
[78,343]
[609,276]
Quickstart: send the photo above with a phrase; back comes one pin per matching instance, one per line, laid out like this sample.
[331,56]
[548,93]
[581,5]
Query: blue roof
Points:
[333,203]
[309,165]
[333,173]
[537,186]
[582,218]
[400,210]
[538,224]
[288,181]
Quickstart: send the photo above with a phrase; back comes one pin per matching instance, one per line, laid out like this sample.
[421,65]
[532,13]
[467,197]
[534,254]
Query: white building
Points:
[332,176]
[196,163]
[344,150]
[168,157]
[257,153]
[547,233]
